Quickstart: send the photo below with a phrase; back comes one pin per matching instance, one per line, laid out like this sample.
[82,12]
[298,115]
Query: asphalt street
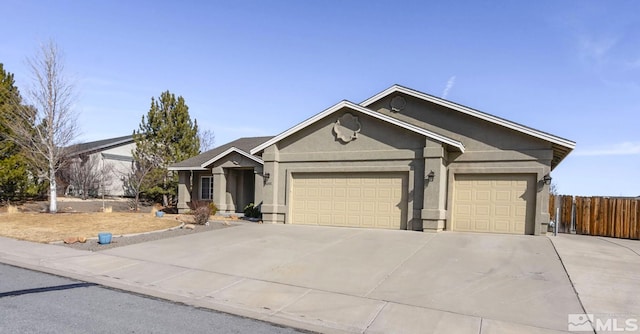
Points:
[34,302]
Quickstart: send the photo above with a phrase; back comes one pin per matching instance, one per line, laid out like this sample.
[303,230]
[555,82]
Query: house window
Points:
[206,188]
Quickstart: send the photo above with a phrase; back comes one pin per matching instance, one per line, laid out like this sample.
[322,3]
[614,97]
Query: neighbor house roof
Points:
[99,145]
[355,107]
[561,147]
[241,146]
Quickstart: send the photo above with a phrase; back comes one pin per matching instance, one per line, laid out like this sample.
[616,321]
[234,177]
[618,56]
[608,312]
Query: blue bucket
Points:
[159,213]
[104,238]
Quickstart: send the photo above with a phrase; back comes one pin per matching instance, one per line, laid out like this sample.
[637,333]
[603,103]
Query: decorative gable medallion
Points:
[398,103]
[346,128]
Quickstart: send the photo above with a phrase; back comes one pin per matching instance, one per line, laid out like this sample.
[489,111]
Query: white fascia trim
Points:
[230,150]
[466,110]
[186,168]
[365,111]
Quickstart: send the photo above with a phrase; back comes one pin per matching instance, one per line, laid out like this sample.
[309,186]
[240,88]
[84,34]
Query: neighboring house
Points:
[110,158]
[402,159]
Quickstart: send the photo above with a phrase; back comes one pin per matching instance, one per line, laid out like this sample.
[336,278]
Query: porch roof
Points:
[201,161]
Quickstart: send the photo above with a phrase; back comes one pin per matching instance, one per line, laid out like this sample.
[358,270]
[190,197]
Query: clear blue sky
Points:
[249,68]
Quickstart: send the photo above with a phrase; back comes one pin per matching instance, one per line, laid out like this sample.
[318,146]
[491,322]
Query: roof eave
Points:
[342,104]
[472,112]
[227,152]
[185,168]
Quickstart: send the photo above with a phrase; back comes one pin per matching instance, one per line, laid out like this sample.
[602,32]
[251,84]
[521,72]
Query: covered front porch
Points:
[232,182]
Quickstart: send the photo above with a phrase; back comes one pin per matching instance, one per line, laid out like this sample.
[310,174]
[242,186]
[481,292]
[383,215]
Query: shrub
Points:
[201,214]
[252,211]
[213,207]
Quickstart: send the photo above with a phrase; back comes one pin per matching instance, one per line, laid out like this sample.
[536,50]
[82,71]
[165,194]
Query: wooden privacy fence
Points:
[616,217]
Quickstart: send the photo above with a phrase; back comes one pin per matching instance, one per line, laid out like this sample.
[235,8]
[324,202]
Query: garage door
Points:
[373,200]
[494,203]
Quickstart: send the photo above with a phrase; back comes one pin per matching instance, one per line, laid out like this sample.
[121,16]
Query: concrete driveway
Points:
[357,279]
[331,279]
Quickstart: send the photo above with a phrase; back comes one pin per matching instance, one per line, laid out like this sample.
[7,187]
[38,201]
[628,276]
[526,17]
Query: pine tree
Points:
[16,178]
[167,135]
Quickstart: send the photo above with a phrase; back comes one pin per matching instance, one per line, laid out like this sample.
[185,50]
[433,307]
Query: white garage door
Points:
[373,200]
[494,203]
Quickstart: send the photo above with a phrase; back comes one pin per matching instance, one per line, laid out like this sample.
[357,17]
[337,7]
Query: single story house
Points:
[109,160]
[401,159]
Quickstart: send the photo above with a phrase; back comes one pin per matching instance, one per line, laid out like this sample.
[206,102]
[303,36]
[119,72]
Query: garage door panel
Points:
[377,200]
[500,203]
[503,195]
[481,225]
[482,195]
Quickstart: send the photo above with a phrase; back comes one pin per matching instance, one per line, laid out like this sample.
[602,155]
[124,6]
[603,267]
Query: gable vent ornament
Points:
[346,128]
[398,103]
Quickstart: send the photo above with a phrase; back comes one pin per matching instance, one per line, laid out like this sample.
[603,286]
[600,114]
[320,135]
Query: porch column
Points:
[184,190]
[232,189]
[433,210]
[219,189]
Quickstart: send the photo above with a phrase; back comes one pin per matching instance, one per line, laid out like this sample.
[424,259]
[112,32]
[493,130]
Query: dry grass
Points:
[45,227]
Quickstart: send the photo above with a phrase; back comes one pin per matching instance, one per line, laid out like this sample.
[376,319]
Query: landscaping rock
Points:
[82,239]
[71,240]
[187,219]
[190,227]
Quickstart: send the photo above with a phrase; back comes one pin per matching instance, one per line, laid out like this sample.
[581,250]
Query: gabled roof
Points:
[99,145]
[561,146]
[201,161]
[350,105]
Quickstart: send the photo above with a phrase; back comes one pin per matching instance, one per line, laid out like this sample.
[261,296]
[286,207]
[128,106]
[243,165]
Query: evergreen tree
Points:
[16,178]
[167,135]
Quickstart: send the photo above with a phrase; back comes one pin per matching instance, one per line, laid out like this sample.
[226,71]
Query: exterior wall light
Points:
[430,176]
[266,176]
[546,179]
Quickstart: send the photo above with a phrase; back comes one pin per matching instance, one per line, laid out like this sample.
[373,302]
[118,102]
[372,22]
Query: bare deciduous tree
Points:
[134,180]
[207,139]
[89,175]
[50,100]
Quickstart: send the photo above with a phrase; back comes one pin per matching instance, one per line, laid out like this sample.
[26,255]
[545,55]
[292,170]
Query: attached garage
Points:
[498,203]
[372,200]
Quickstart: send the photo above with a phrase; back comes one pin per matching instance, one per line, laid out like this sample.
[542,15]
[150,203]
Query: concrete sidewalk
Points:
[606,274]
[329,279]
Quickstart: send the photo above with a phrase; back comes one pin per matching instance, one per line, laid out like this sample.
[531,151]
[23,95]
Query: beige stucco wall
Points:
[381,146]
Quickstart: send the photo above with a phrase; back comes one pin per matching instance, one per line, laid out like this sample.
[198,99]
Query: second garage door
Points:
[496,203]
[373,200]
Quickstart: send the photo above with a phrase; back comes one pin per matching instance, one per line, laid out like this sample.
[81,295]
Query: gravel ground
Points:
[119,241]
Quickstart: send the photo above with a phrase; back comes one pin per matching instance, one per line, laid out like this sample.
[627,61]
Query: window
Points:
[206,188]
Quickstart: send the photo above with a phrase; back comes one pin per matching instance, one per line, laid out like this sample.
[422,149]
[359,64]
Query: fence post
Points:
[573,215]
[555,226]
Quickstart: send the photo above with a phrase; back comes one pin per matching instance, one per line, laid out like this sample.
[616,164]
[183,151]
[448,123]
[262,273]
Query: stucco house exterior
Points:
[111,157]
[401,159]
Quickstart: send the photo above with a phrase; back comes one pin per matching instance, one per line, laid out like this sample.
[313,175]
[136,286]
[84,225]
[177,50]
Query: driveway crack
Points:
[584,310]
[623,246]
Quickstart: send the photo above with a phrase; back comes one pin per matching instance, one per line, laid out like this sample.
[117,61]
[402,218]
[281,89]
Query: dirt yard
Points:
[77,218]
